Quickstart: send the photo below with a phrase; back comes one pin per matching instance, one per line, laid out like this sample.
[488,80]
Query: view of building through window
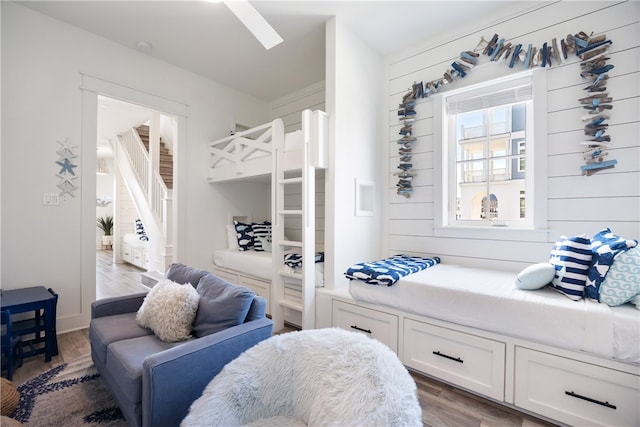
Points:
[490,163]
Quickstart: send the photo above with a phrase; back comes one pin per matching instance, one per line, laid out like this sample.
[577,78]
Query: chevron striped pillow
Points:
[571,257]
[261,231]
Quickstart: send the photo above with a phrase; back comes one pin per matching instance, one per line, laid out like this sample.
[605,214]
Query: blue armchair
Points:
[154,382]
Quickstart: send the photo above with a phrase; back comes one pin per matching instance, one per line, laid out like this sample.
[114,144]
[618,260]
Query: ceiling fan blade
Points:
[255,22]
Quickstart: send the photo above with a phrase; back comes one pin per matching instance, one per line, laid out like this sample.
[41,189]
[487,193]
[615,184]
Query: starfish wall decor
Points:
[66,174]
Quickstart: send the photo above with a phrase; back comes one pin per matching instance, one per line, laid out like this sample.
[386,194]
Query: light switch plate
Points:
[51,199]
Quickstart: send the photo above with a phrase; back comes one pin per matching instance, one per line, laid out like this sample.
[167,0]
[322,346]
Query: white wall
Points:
[575,204]
[354,100]
[42,62]
[104,190]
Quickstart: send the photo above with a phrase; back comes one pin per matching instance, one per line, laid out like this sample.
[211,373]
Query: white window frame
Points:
[535,160]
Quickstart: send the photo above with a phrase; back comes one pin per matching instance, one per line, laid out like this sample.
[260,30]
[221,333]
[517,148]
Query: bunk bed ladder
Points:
[290,185]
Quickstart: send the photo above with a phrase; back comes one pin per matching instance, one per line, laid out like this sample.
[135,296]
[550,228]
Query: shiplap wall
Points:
[576,204]
[289,108]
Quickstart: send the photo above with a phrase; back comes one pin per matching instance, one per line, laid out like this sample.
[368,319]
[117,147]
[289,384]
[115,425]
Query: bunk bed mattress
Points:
[488,300]
[259,264]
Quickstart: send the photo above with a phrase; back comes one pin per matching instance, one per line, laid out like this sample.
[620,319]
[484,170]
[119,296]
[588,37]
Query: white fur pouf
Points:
[318,377]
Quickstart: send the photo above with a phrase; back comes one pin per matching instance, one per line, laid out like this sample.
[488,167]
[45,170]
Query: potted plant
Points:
[105,223]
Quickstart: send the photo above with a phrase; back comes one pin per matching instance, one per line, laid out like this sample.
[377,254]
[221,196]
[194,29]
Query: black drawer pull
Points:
[360,329]
[446,356]
[588,399]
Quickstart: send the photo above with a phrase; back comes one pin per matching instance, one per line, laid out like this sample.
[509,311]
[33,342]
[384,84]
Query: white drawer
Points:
[126,254]
[258,287]
[466,360]
[376,324]
[137,257]
[575,392]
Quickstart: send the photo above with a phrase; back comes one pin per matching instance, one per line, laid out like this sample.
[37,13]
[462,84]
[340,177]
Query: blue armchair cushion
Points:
[109,329]
[125,361]
[222,305]
[181,273]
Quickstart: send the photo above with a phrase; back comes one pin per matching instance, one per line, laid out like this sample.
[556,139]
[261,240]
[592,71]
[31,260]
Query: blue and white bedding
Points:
[388,271]
[294,260]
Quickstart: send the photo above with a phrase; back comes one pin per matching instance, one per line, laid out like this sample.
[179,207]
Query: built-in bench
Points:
[537,351]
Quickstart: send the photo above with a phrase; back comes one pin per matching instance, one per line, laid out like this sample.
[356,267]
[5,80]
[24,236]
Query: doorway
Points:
[114,202]
[92,88]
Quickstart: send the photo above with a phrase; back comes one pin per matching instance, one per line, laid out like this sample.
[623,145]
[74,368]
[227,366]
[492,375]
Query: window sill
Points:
[493,233]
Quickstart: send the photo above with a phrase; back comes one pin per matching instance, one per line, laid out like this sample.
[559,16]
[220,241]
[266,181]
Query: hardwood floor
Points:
[114,280]
[442,405]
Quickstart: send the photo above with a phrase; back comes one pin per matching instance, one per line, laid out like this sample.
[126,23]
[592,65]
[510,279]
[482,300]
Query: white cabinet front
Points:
[373,323]
[463,359]
[575,392]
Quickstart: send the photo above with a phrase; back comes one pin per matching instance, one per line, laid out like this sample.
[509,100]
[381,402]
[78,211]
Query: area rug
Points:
[70,395]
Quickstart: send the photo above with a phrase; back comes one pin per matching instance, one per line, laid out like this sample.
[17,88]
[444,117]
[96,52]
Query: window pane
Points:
[470,125]
[487,130]
[472,172]
[473,150]
[499,120]
[490,169]
[471,189]
[518,118]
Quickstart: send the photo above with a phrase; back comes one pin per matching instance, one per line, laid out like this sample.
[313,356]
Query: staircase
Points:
[150,188]
[166,159]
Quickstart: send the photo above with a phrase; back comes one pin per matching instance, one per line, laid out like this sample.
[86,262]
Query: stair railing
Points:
[158,196]
[138,157]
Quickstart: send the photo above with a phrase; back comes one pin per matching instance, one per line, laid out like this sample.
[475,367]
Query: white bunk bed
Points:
[289,161]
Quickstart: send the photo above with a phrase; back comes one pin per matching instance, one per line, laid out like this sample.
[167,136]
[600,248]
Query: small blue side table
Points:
[43,303]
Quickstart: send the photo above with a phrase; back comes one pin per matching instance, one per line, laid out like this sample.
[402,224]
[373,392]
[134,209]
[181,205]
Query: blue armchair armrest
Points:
[174,378]
[117,305]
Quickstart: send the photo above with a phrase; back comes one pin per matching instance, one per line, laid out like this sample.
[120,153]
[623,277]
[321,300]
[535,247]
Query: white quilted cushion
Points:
[169,310]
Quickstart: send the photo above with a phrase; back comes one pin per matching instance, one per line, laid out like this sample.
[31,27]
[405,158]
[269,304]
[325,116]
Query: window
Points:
[491,135]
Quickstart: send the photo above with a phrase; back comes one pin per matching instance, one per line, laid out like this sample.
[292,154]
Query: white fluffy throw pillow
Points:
[169,309]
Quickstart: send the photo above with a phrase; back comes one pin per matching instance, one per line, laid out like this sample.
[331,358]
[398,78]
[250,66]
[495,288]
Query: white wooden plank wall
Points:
[127,212]
[289,108]
[576,204]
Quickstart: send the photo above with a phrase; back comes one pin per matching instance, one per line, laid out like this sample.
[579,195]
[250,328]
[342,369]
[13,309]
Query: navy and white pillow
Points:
[244,234]
[604,247]
[571,257]
[261,235]
[142,235]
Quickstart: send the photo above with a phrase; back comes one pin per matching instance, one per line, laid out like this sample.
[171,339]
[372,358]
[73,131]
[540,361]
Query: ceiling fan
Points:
[254,22]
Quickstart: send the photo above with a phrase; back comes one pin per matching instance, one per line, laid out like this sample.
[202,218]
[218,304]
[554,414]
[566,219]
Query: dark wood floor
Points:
[442,405]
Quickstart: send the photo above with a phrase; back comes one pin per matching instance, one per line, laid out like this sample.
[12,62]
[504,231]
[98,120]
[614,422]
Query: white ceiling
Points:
[207,39]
